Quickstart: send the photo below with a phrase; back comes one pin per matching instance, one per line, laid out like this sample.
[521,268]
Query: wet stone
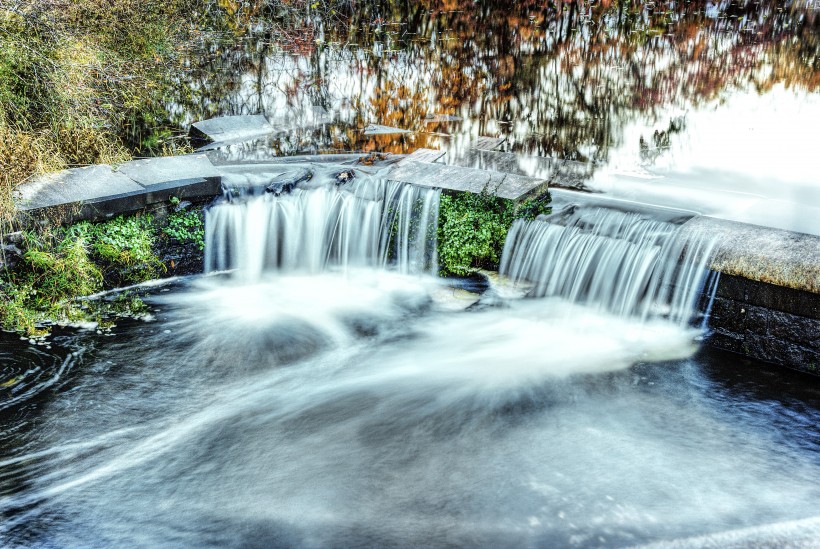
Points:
[424,155]
[757,319]
[344,177]
[488,143]
[773,256]
[456,178]
[797,329]
[531,166]
[286,182]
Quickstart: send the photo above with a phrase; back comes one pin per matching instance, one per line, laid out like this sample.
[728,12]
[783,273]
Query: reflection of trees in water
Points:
[557,78]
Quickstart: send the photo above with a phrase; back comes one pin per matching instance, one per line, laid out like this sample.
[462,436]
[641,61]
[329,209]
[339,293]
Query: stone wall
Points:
[767,322]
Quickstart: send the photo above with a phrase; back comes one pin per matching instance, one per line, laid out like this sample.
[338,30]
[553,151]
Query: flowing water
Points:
[336,397]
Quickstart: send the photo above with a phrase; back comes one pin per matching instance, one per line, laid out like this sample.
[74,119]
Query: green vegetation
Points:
[186,226]
[472,229]
[86,81]
[60,266]
[123,247]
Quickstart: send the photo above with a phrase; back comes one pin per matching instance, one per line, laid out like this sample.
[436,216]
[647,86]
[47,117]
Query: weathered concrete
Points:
[155,171]
[99,192]
[767,303]
[485,143]
[71,186]
[512,163]
[455,178]
[441,118]
[232,128]
[774,256]
[222,158]
[424,155]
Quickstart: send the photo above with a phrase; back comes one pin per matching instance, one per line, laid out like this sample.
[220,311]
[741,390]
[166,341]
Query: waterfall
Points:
[624,263]
[368,222]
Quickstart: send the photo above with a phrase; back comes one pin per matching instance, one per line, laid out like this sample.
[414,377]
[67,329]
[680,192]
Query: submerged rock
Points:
[286,182]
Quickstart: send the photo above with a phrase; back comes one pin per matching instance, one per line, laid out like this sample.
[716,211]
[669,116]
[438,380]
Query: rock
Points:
[10,256]
[286,182]
[345,176]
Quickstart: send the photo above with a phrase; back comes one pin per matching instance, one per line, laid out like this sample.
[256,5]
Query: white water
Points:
[369,222]
[621,262]
[310,402]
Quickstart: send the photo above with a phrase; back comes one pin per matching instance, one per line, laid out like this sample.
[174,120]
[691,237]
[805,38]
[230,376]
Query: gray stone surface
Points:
[100,191]
[238,161]
[229,128]
[774,256]
[767,322]
[75,185]
[455,178]
[480,159]
[424,155]
[377,129]
[154,171]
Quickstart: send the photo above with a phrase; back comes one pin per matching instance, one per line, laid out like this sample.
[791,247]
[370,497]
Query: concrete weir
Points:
[767,302]
[766,305]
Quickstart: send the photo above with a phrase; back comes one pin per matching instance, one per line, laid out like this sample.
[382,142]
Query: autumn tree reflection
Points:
[558,79]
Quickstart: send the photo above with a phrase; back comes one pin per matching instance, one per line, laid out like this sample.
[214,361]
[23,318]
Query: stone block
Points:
[796,329]
[73,186]
[455,178]
[232,128]
[773,256]
[158,171]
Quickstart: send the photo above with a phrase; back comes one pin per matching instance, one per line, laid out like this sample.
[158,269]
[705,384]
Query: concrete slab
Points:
[377,129]
[224,158]
[71,186]
[456,178]
[424,155]
[773,256]
[229,128]
[154,171]
[481,159]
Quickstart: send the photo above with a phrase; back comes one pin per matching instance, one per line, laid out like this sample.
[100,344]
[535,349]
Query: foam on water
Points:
[324,394]
[347,408]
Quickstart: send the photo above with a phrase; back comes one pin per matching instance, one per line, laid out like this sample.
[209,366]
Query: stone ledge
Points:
[773,256]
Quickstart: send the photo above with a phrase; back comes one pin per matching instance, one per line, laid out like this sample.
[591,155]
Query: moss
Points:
[123,247]
[472,229]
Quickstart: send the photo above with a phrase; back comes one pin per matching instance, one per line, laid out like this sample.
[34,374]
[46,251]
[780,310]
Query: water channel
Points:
[320,386]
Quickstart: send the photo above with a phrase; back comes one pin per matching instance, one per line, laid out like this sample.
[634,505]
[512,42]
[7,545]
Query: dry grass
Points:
[82,82]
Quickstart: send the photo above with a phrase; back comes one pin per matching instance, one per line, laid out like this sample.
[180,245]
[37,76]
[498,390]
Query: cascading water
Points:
[369,222]
[624,263]
[336,410]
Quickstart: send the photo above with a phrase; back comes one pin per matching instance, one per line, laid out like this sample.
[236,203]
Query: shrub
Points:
[473,227]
